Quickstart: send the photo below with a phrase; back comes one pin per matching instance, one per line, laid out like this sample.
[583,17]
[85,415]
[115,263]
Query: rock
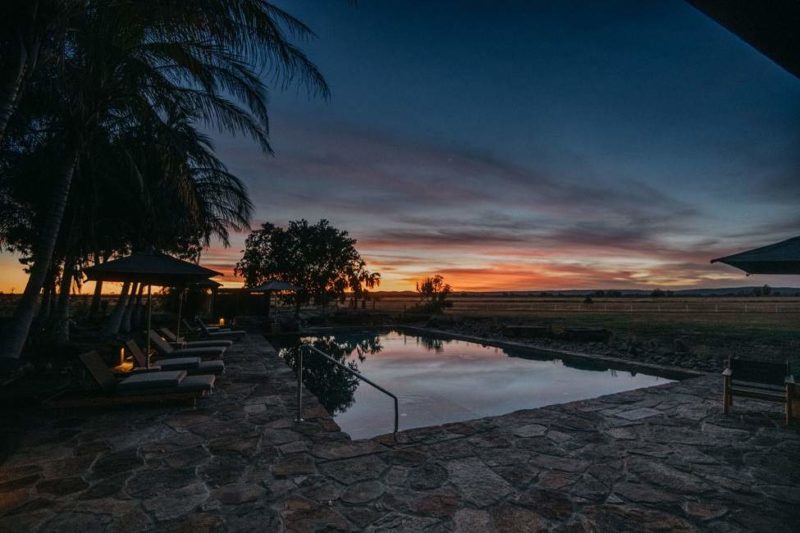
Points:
[566,464]
[628,519]
[476,482]
[401,522]
[362,492]
[69,521]
[345,450]
[115,463]
[436,505]
[175,503]
[530,430]
[294,465]
[13,499]
[105,488]
[280,436]
[302,516]
[704,511]
[637,414]
[239,493]
[406,457]
[150,483]
[549,504]
[471,521]
[428,476]
[639,493]
[61,487]
[671,479]
[349,471]
[510,518]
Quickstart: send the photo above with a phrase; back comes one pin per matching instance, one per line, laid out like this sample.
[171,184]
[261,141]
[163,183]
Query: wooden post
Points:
[727,398]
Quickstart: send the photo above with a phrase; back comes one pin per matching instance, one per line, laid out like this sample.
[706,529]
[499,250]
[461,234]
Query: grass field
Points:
[770,314]
[764,328]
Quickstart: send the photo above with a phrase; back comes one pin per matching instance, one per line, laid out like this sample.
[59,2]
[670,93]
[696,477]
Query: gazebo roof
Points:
[151,267]
[779,258]
[274,285]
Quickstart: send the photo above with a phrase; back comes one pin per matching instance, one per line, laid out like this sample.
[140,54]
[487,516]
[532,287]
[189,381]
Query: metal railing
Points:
[344,367]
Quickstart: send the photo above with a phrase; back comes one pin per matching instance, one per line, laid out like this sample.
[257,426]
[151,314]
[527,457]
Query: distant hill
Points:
[684,293]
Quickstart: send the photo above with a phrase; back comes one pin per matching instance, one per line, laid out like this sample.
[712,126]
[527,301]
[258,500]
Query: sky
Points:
[529,145]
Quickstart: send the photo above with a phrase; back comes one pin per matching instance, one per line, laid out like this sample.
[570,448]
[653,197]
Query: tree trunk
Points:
[125,326]
[61,319]
[47,298]
[12,341]
[13,89]
[114,321]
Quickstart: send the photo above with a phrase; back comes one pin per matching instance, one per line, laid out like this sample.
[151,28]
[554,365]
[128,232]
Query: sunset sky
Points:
[537,145]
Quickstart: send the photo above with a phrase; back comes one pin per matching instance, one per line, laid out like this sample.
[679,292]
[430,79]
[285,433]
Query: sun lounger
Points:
[148,387]
[192,365]
[209,327]
[166,350]
[197,332]
[206,332]
[177,343]
[772,382]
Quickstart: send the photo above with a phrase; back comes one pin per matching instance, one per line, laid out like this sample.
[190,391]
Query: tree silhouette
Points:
[123,69]
[320,260]
[332,385]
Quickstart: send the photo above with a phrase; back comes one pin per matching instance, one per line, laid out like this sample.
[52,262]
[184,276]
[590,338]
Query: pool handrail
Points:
[344,367]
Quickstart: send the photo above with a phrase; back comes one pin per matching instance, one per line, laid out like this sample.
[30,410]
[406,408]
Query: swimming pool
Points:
[439,380]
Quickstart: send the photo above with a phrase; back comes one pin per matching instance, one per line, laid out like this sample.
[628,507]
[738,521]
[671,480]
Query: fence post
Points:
[299,384]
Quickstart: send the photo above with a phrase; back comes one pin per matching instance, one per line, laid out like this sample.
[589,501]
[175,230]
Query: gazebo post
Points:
[180,309]
[149,321]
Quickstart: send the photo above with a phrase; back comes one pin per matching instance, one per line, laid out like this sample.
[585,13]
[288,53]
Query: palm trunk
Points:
[12,90]
[61,319]
[47,297]
[16,332]
[114,321]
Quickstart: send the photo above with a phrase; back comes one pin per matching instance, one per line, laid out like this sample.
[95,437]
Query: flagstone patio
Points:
[657,459]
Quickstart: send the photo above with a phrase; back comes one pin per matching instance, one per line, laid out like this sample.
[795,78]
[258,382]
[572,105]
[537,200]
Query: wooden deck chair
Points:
[148,387]
[166,350]
[772,382]
[192,365]
[180,343]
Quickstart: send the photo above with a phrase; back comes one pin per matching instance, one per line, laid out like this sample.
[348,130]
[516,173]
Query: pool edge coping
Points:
[665,371]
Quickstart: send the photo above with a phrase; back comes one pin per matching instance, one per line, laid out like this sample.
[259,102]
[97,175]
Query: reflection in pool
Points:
[440,380]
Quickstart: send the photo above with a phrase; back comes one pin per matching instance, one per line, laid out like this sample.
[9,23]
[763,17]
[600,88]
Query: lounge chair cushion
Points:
[197,383]
[220,343]
[173,340]
[211,352]
[165,349]
[151,380]
[178,363]
[193,365]
[211,367]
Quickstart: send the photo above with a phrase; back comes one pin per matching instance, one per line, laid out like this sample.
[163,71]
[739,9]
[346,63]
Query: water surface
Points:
[440,380]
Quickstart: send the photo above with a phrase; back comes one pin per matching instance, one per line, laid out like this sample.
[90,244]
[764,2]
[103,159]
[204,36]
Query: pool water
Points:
[439,380]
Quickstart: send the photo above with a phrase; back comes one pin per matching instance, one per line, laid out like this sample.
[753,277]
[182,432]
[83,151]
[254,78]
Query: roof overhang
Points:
[770,26]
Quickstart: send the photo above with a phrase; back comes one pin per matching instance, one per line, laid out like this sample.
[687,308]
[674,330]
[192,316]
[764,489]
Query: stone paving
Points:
[657,459]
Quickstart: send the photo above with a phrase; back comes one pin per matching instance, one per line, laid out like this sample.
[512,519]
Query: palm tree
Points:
[29,30]
[125,64]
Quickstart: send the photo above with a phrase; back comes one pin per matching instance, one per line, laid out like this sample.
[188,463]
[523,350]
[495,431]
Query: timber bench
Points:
[772,382]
